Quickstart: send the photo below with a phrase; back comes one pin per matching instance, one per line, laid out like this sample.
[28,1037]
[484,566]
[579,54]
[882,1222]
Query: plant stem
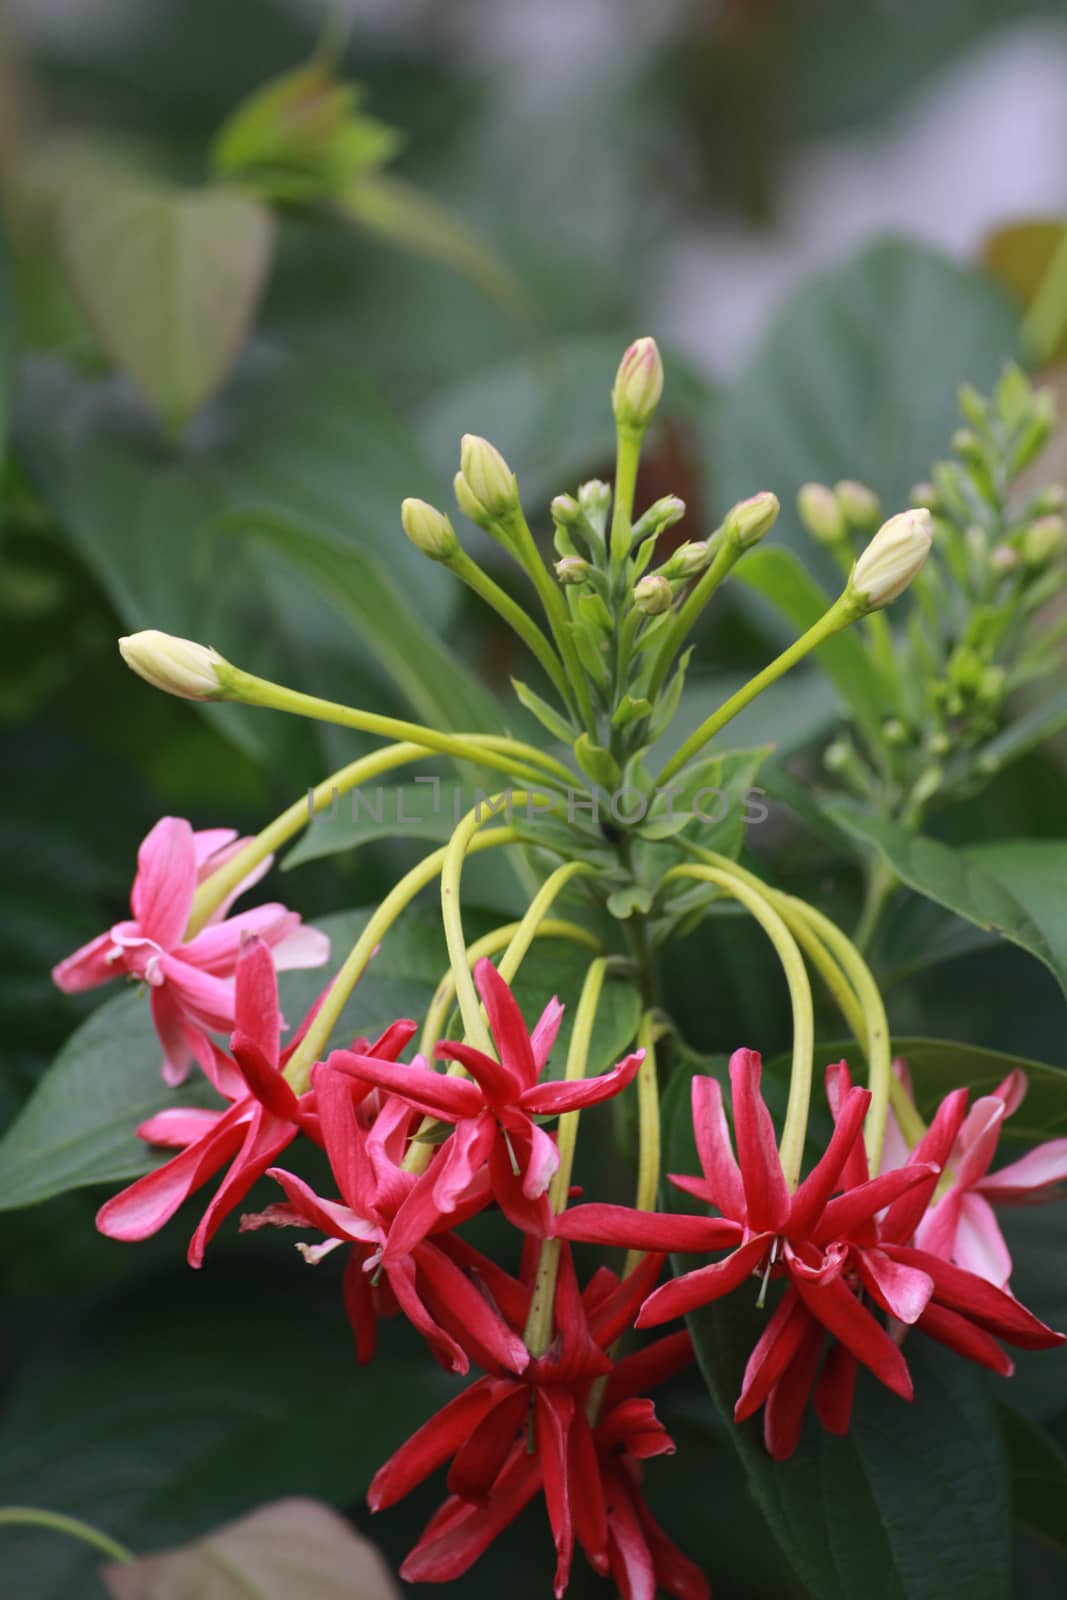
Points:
[57,1522]
[724,560]
[214,890]
[882,883]
[844,611]
[649,1138]
[298,1070]
[539,1322]
[519,620]
[527,553]
[512,756]
[758,903]
[627,457]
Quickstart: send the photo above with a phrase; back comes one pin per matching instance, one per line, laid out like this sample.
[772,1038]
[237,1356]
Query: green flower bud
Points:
[894,732]
[429,530]
[689,559]
[661,514]
[489,478]
[837,756]
[565,510]
[1044,540]
[594,498]
[178,666]
[1034,436]
[939,744]
[750,520]
[1052,498]
[638,384]
[860,505]
[572,570]
[1003,559]
[892,558]
[653,595]
[925,495]
[820,512]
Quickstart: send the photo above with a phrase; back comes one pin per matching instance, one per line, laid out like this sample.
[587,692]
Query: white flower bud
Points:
[892,558]
[749,520]
[177,666]
[820,512]
[638,384]
[1043,540]
[572,570]
[689,559]
[429,530]
[653,595]
[565,510]
[861,506]
[489,478]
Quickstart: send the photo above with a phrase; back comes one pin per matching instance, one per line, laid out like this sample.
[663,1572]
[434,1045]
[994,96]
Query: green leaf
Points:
[779,577]
[183,1404]
[857,378]
[427,809]
[289,1544]
[1008,888]
[1032,728]
[78,1127]
[405,216]
[310,442]
[853,1515]
[442,691]
[7,346]
[710,801]
[940,1065]
[546,715]
[1039,1477]
[170,279]
[596,762]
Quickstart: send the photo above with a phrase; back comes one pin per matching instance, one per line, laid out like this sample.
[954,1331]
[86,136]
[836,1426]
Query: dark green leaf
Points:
[1039,1477]
[426,810]
[7,346]
[940,1065]
[1007,889]
[195,1402]
[857,378]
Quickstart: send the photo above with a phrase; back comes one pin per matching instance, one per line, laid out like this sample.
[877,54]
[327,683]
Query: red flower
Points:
[960,1224]
[830,1248]
[264,1117]
[494,1114]
[190,980]
[507,1438]
[384,1273]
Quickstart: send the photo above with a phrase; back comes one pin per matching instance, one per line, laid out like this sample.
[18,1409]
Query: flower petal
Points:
[693,1289]
[766,1193]
[460,1532]
[498,1083]
[431,1445]
[902,1291]
[88,967]
[482,1455]
[847,1213]
[725,1188]
[546,1099]
[963,1336]
[544,1034]
[434,1093]
[443,1284]
[145,1205]
[813,1194]
[1022,1181]
[507,1026]
[783,1416]
[598,1223]
[839,1311]
[772,1353]
[165,883]
[980,1245]
[836,1389]
[982,1302]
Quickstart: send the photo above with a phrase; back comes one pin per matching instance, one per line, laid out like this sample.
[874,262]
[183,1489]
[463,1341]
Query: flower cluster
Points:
[851,1251]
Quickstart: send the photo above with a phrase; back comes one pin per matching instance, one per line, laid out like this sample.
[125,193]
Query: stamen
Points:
[516,1169]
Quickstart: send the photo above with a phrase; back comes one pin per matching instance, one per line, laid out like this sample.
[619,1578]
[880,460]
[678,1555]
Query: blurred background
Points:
[815,207]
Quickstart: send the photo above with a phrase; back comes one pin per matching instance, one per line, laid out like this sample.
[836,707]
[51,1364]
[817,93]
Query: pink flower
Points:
[190,980]
[264,1117]
[494,1115]
[434,1283]
[960,1225]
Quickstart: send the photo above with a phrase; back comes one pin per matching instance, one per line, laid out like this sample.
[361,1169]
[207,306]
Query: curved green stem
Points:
[539,1322]
[298,1069]
[488,750]
[757,902]
[56,1522]
[879,1049]
[882,882]
[844,611]
[214,890]
[723,562]
[516,618]
[649,1136]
